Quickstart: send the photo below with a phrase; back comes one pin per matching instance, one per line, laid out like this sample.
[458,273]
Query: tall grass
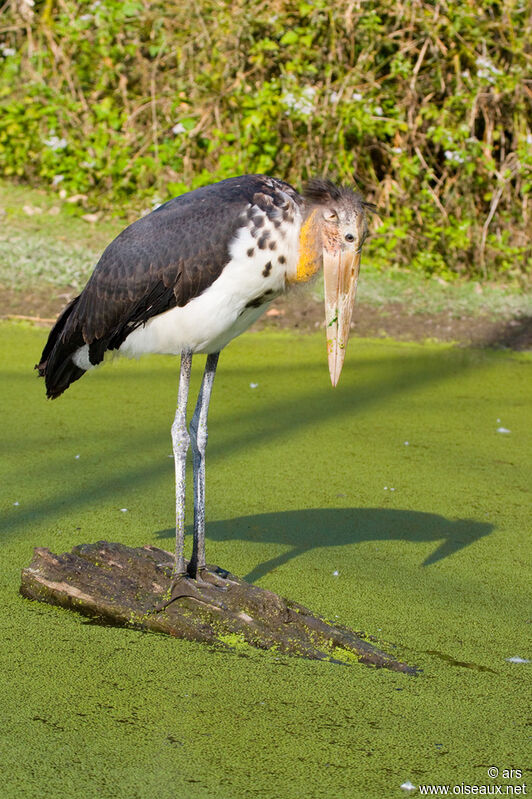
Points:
[426,105]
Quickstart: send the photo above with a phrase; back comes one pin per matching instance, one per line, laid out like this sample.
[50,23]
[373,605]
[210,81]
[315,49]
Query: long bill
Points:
[340,272]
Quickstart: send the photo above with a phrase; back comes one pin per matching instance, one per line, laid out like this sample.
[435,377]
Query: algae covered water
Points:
[396,504]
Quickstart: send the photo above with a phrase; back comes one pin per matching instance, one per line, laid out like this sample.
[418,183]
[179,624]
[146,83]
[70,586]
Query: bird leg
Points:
[188,583]
[198,440]
[180,444]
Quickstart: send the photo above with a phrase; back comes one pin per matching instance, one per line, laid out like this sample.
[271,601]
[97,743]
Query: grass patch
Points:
[44,241]
[419,294]
[429,539]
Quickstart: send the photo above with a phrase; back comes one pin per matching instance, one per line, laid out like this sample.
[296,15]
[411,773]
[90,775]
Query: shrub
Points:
[426,105]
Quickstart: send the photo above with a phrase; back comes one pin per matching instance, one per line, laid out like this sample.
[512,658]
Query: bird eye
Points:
[349,237]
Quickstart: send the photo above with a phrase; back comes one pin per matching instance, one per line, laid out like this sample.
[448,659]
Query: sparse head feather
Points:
[320,191]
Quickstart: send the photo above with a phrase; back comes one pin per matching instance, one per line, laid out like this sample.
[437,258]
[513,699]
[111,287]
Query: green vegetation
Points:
[426,105]
[300,481]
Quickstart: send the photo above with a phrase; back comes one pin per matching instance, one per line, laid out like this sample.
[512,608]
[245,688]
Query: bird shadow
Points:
[310,529]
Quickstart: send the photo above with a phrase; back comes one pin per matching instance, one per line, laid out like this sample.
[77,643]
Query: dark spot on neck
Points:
[264,239]
[251,251]
[267,269]
[282,259]
[272,245]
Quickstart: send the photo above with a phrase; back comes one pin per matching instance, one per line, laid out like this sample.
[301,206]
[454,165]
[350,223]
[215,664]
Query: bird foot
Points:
[204,586]
[216,578]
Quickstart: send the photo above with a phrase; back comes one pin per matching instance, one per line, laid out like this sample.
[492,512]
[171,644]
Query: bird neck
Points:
[310,249]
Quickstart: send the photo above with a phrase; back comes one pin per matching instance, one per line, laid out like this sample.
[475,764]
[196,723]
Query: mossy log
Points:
[129,587]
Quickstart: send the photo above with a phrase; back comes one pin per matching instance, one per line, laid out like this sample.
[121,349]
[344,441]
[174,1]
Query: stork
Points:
[192,275]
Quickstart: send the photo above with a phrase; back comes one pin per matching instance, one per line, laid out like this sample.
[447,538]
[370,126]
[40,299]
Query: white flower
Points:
[86,17]
[529,138]
[397,150]
[356,96]
[485,63]
[7,51]
[503,430]
[516,659]
[457,158]
[378,110]
[123,510]
[253,385]
[55,143]
[179,128]
[336,573]
[333,97]
[302,104]
[486,70]
[57,179]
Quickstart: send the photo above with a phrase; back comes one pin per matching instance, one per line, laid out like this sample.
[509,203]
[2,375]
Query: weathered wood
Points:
[128,587]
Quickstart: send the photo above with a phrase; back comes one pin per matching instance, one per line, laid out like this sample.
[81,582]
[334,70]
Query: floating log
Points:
[129,587]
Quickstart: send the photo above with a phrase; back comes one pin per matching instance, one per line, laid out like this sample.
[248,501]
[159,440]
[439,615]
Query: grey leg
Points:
[198,439]
[182,584]
[180,444]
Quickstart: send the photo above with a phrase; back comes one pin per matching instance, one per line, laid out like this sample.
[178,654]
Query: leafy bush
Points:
[425,104]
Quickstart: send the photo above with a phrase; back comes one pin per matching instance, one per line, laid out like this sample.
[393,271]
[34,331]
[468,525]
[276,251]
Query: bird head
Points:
[332,235]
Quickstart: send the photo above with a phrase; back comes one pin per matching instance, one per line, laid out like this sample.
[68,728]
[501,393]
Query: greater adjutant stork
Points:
[191,276]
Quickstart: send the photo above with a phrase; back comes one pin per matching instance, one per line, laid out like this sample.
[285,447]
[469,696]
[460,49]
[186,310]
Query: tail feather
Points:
[56,364]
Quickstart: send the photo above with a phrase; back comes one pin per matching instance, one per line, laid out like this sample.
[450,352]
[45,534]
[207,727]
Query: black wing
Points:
[164,259]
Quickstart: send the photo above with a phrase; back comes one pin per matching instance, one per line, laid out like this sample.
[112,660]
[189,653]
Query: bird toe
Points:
[206,588]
